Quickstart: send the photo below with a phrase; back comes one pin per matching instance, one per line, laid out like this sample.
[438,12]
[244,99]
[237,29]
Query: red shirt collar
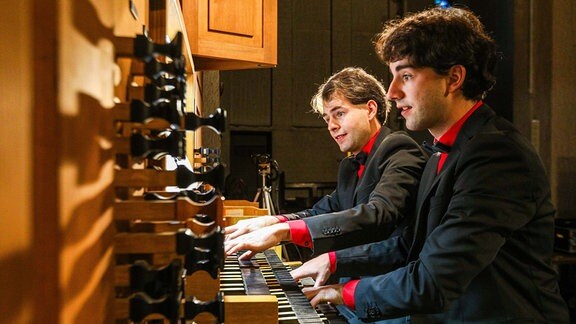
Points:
[449,137]
[368,147]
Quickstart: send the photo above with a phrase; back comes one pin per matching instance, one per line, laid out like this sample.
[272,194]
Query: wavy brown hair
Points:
[357,86]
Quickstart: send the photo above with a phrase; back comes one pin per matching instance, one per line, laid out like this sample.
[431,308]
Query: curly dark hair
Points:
[441,38]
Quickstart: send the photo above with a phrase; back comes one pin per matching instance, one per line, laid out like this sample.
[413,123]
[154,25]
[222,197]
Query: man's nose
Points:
[332,124]
[394,92]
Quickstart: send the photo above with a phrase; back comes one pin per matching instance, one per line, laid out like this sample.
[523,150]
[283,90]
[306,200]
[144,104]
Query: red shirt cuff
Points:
[348,293]
[281,218]
[299,233]
[332,257]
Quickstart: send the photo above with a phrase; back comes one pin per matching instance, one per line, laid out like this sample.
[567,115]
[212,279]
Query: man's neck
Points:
[455,111]
[375,128]
[368,145]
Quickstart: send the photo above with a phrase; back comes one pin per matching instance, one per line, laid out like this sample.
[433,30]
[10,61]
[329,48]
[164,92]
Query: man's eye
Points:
[406,77]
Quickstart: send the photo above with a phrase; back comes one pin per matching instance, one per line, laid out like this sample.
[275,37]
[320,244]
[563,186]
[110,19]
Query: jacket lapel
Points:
[347,182]
[425,222]
[384,131]
[426,184]
[429,178]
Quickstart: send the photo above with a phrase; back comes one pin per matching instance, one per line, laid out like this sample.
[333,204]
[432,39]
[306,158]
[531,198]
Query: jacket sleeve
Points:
[396,168]
[375,258]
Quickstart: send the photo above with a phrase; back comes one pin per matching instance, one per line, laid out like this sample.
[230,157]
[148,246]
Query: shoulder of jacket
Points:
[399,138]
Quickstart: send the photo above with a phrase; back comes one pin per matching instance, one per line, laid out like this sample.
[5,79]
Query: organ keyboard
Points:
[266,274]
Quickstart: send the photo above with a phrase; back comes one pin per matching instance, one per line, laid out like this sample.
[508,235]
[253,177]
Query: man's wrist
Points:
[283,231]
[280,218]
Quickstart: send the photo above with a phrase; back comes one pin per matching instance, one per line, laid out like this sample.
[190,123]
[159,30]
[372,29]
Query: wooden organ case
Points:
[115,209]
[168,211]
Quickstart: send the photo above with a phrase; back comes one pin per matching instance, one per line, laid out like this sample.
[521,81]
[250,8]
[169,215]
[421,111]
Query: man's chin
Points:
[412,126]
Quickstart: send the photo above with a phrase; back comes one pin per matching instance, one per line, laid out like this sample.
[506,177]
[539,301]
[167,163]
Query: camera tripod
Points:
[264,192]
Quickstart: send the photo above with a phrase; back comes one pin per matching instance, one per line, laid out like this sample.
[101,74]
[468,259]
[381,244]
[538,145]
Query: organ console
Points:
[266,274]
[170,263]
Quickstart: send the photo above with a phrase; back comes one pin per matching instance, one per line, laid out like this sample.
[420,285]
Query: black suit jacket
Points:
[382,200]
[483,239]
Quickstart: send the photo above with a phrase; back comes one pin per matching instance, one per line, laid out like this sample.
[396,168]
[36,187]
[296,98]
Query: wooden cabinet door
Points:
[231,34]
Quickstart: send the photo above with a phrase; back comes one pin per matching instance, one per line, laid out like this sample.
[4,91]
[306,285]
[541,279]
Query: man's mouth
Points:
[339,138]
[404,109]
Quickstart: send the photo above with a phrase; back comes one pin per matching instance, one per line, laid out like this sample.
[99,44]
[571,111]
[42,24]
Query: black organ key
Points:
[293,306]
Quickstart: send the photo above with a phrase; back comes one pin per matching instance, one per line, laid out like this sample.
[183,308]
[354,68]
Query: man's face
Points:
[420,95]
[349,124]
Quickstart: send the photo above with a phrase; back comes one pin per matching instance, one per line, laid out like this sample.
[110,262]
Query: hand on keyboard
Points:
[246,226]
[331,294]
[258,240]
[317,268]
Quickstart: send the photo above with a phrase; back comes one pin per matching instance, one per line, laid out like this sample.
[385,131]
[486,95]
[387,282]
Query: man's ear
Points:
[372,108]
[456,77]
